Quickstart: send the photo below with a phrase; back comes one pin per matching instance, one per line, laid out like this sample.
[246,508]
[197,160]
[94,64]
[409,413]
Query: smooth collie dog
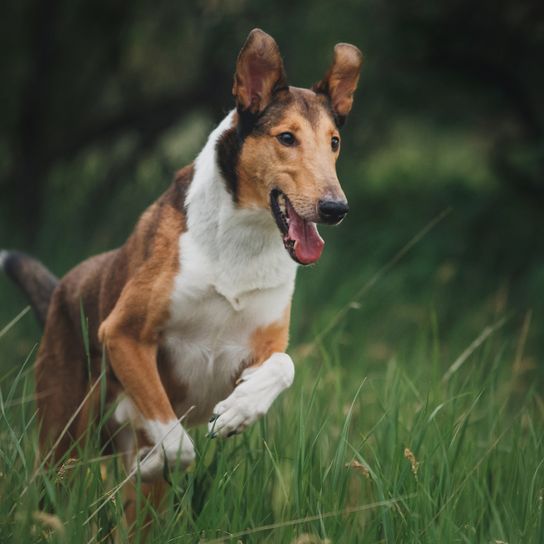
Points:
[192,312]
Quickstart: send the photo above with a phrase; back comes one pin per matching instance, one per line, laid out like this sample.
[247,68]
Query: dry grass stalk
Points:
[413,461]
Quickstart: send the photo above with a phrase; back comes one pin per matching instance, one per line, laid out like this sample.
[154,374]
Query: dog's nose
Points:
[332,211]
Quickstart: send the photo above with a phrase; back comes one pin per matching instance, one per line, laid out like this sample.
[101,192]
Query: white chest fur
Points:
[207,339]
[235,276]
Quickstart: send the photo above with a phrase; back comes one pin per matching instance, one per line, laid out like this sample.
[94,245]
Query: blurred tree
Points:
[79,75]
[485,60]
[82,74]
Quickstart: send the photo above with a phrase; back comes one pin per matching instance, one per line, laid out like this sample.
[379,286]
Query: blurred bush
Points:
[102,101]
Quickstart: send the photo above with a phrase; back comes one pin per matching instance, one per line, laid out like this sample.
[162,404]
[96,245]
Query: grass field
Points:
[401,455]
[417,412]
[406,445]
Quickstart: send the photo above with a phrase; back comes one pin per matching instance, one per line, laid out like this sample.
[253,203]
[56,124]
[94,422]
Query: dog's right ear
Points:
[259,72]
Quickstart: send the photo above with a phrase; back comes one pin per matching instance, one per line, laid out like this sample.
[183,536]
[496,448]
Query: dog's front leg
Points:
[259,386]
[136,368]
[132,353]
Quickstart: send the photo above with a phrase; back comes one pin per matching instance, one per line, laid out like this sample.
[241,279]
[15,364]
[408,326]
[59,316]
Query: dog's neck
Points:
[244,246]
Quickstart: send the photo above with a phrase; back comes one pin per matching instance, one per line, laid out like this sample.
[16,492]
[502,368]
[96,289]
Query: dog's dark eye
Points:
[287,139]
[335,143]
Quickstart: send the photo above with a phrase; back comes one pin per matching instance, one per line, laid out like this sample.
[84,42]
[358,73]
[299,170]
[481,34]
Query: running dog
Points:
[192,312]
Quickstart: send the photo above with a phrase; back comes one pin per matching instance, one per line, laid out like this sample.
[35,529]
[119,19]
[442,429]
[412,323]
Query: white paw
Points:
[232,415]
[253,397]
[173,447]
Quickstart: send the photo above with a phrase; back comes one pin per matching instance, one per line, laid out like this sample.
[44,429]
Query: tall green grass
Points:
[372,443]
[406,452]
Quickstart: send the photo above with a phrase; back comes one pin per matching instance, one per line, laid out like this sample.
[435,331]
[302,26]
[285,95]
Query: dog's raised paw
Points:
[252,397]
[229,424]
[234,414]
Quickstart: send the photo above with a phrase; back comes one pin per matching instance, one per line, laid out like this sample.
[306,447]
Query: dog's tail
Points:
[36,282]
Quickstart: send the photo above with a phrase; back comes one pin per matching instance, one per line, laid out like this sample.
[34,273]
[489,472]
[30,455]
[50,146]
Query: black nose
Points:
[332,211]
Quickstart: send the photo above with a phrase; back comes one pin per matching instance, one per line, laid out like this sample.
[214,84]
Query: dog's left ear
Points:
[259,72]
[341,80]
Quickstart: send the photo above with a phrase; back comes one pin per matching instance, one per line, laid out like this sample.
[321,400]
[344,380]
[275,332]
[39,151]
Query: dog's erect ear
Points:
[341,80]
[259,72]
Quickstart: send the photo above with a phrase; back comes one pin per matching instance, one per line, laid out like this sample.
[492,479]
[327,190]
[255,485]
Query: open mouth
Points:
[300,237]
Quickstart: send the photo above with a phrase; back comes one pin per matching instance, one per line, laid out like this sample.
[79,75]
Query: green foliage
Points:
[103,101]
[90,89]
[399,454]
[377,324]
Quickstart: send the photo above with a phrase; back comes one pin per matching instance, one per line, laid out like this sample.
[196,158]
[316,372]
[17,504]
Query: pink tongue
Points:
[308,243]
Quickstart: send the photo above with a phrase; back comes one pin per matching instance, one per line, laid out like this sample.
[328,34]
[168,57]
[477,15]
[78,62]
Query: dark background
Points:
[102,101]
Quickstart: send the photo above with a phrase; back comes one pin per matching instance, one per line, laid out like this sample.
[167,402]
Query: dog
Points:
[192,312]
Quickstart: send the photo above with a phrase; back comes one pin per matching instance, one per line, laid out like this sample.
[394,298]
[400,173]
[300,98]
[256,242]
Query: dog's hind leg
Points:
[61,384]
[142,501]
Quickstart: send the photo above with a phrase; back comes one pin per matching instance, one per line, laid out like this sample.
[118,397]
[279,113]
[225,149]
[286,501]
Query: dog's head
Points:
[281,155]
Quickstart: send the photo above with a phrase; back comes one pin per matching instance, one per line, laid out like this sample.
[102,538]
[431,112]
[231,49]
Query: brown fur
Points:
[153,494]
[305,172]
[341,80]
[125,293]
[270,339]
[131,331]
[36,282]
[259,72]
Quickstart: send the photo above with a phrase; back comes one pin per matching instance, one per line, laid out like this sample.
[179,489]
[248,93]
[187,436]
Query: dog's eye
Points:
[287,139]
[335,143]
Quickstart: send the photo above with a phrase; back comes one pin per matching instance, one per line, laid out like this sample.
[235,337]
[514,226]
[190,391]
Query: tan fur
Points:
[259,69]
[132,329]
[341,80]
[127,291]
[271,339]
[125,294]
[306,172]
